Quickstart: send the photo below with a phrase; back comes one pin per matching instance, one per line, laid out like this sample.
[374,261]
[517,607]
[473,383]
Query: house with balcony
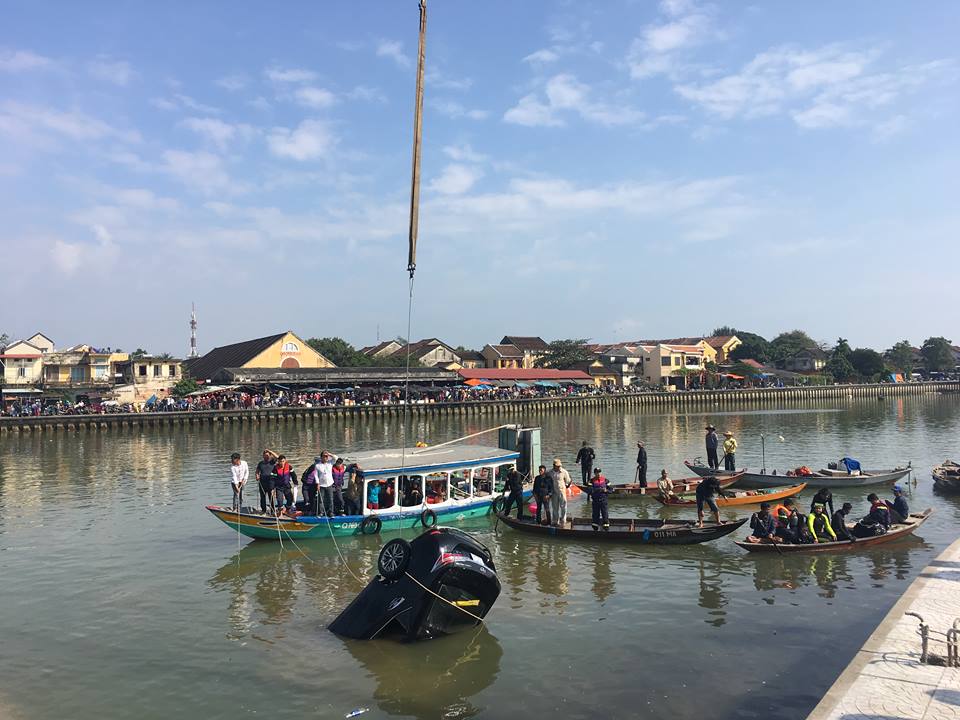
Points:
[671,365]
[808,360]
[22,364]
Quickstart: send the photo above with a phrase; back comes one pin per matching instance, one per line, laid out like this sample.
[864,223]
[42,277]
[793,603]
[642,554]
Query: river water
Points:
[122,597]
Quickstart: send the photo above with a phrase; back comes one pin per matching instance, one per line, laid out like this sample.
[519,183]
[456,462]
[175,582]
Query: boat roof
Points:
[390,461]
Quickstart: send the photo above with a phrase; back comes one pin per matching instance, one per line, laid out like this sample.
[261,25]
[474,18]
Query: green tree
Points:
[842,347]
[743,369]
[900,357]
[164,356]
[4,340]
[840,367]
[937,354]
[788,344]
[753,347]
[565,354]
[868,363]
[723,331]
[185,386]
[338,351]
[138,353]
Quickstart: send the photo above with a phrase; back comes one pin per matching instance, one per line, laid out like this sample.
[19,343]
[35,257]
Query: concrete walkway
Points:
[885,681]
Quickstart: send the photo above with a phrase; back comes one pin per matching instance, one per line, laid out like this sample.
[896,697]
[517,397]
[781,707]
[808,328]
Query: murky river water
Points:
[121,597]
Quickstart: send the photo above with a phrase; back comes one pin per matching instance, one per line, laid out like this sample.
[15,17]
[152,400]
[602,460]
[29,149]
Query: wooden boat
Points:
[897,530]
[946,477]
[460,482]
[685,486]
[744,497]
[629,530]
[822,478]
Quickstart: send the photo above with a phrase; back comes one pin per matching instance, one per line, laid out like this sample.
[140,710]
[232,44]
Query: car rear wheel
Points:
[394,559]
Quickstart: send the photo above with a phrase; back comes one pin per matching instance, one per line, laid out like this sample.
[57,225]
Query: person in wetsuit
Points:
[599,489]
[819,525]
[708,490]
[823,497]
[839,522]
[542,488]
[514,485]
[584,459]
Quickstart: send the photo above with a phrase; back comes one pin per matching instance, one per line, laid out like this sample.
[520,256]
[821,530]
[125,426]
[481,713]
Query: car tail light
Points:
[450,557]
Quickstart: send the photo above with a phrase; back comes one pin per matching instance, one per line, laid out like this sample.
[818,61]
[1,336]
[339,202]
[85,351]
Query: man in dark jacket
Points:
[899,509]
[266,470]
[708,490]
[584,459]
[712,442]
[542,488]
[839,522]
[823,497]
[514,485]
[641,464]
[762,525]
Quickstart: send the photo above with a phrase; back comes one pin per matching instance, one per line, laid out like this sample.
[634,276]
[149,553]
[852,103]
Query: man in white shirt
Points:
[325,483]
[558,500]
[239,475]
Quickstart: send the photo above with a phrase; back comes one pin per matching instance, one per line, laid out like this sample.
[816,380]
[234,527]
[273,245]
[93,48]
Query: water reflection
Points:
[603,584]
[460,666]
[712,597]
[551,573]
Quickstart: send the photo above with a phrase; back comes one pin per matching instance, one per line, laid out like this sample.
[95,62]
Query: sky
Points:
[614,171]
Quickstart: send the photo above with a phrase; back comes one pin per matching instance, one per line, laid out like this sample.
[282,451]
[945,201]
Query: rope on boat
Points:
[465,437]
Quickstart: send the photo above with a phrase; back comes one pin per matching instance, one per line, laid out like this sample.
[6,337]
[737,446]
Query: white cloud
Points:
[393,49]
[310,140]
[439,80]
[202,171]
[24,120]
[289,75]
[826,87]
[14,61]
[233,82]
[179,101]
[659,48]
[542,57]
[455,179]
[118,72]
[69,257]
[455,110]
[369,94]
[464,153]
[314,97]
[217,131]
[565,93]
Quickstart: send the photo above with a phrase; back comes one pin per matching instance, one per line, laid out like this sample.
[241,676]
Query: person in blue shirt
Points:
[763,526]
[899,509]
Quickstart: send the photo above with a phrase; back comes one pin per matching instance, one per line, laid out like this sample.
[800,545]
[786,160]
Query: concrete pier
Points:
[693,401]
[886,680]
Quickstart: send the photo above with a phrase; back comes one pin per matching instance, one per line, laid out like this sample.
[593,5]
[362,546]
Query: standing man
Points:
[708,490]
[584,459]
[599,488]
[265,470]
[542,490]
[325,483]
[239,475]
[712,442]
[560,480]
[514,485]
[309,481]
[641,464]
[729,452]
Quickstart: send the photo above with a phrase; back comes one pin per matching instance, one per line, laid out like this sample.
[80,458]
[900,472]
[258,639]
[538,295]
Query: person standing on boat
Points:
[712,442]
[309,484]
[560,480]
[708,490]
[353,499]
[599,489]
[585,457]
[239,475]
[729,452]
[839,522]
[819,525]
[283,485]
[542,490]
[325,483]
[265,470]
[514,486]
[338,471]
[823,497]
[641,464]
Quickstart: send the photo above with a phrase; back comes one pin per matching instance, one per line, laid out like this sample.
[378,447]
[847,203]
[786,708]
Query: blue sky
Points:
[614,170]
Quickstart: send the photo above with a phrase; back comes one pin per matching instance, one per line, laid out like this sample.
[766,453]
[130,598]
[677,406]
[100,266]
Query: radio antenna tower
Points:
[193,330]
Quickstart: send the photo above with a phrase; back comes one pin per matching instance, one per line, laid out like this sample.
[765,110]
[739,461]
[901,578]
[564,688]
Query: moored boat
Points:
[629,530]
[946,476]
[897,530]
[457,482]
[685,486]
[823,478]
[744,497]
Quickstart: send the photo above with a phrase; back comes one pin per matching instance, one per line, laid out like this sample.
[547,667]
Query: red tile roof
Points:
[522,374]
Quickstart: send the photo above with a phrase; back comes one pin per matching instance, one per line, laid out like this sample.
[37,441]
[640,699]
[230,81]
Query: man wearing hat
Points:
[899,506]
[729,452]
[641,464]
[558,499]
[713,442]
[762,526]
[839,522]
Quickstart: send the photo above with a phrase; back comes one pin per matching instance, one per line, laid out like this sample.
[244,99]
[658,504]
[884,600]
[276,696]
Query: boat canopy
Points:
[420,460]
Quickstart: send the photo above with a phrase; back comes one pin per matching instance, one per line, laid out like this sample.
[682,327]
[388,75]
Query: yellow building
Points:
[670,364]
[283,350]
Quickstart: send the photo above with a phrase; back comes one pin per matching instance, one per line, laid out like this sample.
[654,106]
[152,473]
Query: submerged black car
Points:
[441,582]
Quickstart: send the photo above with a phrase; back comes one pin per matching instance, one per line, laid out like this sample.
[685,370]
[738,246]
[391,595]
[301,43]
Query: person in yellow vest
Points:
[819,525]
[729,452]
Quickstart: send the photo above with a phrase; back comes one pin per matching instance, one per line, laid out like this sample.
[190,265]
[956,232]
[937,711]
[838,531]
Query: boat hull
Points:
[627,530]
[765,480]
[946,477]
[771,495]
[899,530]
[686,486]
[266,527]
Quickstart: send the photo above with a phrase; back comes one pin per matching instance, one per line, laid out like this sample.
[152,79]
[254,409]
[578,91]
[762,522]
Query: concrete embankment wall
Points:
[653,400]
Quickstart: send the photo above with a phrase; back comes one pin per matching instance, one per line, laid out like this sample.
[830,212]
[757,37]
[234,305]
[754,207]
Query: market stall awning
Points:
[473,382]
[212,389]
